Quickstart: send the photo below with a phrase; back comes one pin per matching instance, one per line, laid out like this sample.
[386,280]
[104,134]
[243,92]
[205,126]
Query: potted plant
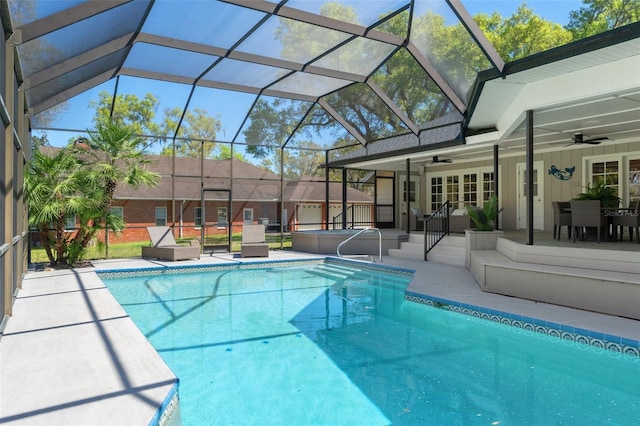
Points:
[485,218]
[599,191]
[483,236]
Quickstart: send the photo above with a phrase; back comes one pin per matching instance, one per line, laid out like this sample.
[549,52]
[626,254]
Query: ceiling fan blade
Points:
[435,160]
[598,140]
[592,142]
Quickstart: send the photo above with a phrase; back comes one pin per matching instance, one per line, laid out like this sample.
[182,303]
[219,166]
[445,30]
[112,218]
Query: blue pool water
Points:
[328,344]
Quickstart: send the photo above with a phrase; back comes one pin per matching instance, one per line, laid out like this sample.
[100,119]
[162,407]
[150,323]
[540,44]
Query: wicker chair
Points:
[164,246]
[253,242]
[587,214]
[630,219]
[561,217]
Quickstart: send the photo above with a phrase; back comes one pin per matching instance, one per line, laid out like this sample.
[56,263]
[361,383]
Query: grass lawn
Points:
[127,250]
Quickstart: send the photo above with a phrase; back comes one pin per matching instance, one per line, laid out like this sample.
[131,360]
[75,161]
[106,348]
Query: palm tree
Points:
[55,192]
[112,155]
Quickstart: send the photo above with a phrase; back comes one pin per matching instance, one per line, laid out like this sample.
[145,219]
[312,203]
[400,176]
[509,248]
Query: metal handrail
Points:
[436,227]
[362,231]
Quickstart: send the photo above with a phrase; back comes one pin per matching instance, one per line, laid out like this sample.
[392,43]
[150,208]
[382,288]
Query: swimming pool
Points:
[327,343]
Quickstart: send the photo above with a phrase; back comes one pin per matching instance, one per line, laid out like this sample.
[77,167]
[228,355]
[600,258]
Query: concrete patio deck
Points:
[71,356]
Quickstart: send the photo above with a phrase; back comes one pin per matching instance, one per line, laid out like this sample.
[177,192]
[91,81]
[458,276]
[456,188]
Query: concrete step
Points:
[412,246]
[455,241]
[450,250]
[449,240]
[407,254]
[456,260]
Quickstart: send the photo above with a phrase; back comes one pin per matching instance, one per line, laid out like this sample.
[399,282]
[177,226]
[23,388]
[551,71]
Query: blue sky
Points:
[552,10]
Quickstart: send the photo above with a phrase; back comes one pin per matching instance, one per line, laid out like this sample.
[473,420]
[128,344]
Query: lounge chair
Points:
[253,242]
[164,246]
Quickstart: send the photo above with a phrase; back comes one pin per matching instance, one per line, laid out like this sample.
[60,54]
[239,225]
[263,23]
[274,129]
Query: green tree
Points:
[56,188]
[128,110]
[223,152]
[112,156]
[197,128]
[522,34]
[597,16]
[304,160]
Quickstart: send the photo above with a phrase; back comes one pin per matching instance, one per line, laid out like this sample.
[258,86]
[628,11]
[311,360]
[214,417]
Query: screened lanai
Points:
[289,86]
[349,95]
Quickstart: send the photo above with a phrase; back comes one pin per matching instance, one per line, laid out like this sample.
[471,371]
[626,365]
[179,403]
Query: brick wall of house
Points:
[139,214]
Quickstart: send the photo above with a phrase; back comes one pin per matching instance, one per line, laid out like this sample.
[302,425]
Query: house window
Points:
[197,221]
[453,190]
[488,186]
[222,217]
[436,192]
[247,215]
[70,222]
[606,172]
[161,216]
[470,189]
[412,191]
[461,188]
[634,180]
[118,211]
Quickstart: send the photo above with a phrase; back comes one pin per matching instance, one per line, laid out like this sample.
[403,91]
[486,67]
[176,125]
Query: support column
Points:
[496,180]
[344,198]
[6,242]
[407,184]
[529,176]
[327,200]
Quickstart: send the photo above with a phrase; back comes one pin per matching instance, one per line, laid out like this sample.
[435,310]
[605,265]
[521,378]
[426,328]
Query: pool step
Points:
[341,273]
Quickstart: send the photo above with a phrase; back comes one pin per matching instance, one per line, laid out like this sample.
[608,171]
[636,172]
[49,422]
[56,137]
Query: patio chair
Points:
[253,242]
[416,220]
[587,214]
[629,218]
[164,246]
[561,217]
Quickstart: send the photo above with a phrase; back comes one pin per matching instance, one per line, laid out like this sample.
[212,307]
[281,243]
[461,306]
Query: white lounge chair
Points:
[164,246]
[253,242]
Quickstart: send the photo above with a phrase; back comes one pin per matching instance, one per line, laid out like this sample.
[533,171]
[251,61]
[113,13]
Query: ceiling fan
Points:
[578,138]
[437,159]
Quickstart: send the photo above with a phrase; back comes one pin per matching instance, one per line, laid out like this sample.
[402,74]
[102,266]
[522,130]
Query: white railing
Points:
[360,232]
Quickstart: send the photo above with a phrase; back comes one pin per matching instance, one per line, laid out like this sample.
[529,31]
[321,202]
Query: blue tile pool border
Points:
[188,269]
[590,339]
[168,409]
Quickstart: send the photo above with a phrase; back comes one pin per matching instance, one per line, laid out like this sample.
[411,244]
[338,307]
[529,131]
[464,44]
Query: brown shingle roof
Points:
[251,183]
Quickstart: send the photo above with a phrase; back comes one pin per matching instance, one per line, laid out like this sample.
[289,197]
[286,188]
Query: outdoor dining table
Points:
[610,213]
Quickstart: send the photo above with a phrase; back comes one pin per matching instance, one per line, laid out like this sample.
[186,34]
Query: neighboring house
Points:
[255,195]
